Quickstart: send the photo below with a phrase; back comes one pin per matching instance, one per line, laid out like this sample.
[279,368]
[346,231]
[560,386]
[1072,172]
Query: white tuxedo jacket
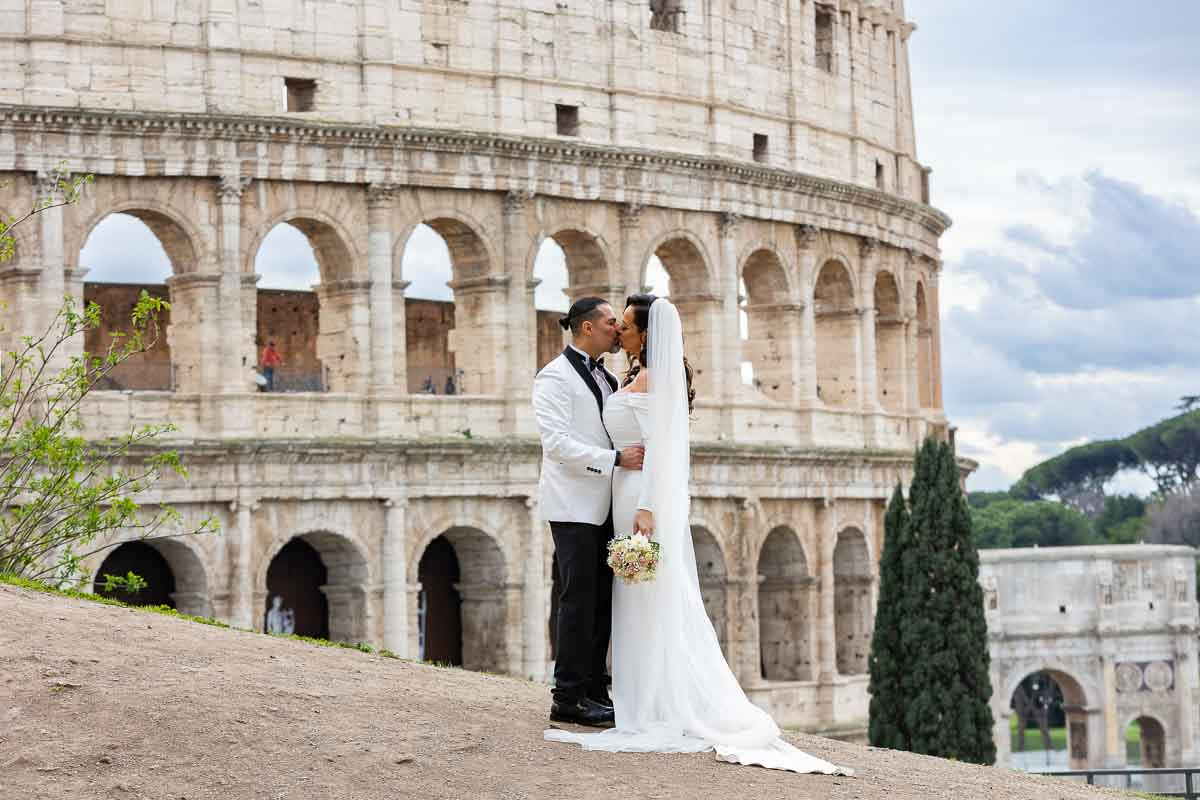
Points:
[577,454]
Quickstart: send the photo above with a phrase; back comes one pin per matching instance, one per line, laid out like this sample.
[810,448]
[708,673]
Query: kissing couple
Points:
[616,459]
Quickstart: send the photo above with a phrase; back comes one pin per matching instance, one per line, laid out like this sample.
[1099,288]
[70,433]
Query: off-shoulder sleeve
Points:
[641,410]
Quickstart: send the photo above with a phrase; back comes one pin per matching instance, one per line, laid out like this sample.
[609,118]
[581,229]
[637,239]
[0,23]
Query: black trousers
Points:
[584,624]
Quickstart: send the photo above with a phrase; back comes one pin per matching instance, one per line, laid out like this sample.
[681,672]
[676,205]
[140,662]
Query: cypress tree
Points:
[943,669]
[887,658]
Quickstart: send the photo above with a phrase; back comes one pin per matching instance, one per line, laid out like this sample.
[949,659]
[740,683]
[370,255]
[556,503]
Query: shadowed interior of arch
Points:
[786,601]
[322,578]
[852,602]
[889,342]
[1046,721]
[771,326]
[710,569]
[173,572]
[462,607]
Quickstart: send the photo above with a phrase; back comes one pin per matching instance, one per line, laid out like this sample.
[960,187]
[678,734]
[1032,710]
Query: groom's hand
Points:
[643,523]
[632,457]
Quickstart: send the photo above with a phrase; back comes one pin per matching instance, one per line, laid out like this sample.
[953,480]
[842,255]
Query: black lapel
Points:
[577,361]
[612,380]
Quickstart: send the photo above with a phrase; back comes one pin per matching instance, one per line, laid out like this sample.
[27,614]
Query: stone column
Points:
[344,342]
[380,198]
[745,619]
[806,376]
[935,325]
[233,375]
[195,331]
[727,361]
[517,354]
[631,267]
[240,552]
[533,612]
[52,264]
[395,576]
[480,336]
[400,336]
[827,532]
[868,387]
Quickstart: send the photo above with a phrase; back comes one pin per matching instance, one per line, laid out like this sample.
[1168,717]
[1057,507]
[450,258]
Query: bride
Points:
[672,690]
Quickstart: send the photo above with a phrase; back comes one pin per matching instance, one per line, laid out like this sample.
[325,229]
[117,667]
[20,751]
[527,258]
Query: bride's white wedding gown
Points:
[672,689]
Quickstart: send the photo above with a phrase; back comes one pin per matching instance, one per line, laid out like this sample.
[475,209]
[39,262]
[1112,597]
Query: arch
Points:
[852,601]
[471,254]
[924,348]
[347,575]
[837,332]
[1152,744]
[889,342]
[179,236]
[332,244]
[190,593]
[1075,705]
[786,602]
[587,253]
[483,591]
[681,252]
[772,324]
[711,571]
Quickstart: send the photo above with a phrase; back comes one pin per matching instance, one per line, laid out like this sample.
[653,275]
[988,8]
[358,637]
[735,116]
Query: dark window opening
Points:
[567,120]
[760,147]
[880,176]
[824,39]
[301,93]
[925,186]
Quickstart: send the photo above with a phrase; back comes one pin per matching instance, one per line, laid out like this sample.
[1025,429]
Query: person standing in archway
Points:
[269,360]
[575,497]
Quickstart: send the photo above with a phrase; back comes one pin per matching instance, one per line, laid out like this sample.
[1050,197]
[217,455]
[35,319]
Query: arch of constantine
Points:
[764,153]
[1116,628]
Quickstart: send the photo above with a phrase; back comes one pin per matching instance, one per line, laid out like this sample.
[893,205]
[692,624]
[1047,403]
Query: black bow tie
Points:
[596,363]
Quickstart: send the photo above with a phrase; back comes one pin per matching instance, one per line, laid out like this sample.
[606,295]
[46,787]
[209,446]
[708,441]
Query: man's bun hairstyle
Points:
[581,311]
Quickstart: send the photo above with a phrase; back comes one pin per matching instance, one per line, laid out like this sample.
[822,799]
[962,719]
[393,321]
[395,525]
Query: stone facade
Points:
[1116,627]
[763,152]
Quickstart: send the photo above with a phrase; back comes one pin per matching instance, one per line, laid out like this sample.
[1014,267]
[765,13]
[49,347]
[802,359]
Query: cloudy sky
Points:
[1062,135]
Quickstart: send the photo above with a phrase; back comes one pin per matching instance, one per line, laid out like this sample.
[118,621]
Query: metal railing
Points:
[1191,779]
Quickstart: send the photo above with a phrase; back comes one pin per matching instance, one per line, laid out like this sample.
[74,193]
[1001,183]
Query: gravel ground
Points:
[104,702]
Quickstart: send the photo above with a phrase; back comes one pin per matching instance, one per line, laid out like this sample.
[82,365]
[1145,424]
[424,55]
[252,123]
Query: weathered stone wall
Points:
[149,370]
[732,71]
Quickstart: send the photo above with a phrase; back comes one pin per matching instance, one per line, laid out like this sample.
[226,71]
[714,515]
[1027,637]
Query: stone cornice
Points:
[380,137]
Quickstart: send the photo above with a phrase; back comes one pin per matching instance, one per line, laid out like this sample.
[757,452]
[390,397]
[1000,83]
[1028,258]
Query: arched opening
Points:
[771,325]
[465,613]
[924,351]
[889,343]
[710,569]
[1047,723]
[1146,743]
[550,300]
[125,254]
[454,310]
[321,579]
[289,321]
[173,571]
[853,615]
[687,283]
[837,332]
[439,606]
[312,309]
[148,564]
[786,603]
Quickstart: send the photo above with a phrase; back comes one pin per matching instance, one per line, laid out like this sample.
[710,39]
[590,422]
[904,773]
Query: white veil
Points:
[672,689]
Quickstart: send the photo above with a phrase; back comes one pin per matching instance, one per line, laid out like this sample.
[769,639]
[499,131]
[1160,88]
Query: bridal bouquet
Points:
[633,559]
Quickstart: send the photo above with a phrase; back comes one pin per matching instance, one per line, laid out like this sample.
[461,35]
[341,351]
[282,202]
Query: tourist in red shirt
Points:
[269,360]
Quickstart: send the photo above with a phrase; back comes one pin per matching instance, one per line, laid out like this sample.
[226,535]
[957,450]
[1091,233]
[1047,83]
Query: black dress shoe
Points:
[582,712]
[601,699]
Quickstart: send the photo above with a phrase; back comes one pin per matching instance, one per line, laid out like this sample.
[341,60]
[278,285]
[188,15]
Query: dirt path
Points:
[103,702]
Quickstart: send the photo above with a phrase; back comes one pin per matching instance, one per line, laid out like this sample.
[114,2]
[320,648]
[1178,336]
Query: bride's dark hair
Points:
[640,303]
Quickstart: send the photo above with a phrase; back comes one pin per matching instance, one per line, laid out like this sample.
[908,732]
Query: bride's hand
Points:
[643,523]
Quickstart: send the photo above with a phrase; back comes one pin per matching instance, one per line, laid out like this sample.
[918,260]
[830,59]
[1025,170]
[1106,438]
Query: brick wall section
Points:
[149,370]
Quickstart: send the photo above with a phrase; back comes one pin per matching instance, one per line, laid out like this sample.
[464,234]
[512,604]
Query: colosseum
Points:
[761,152]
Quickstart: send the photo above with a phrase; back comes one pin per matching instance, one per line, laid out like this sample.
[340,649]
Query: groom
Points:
[575,497]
